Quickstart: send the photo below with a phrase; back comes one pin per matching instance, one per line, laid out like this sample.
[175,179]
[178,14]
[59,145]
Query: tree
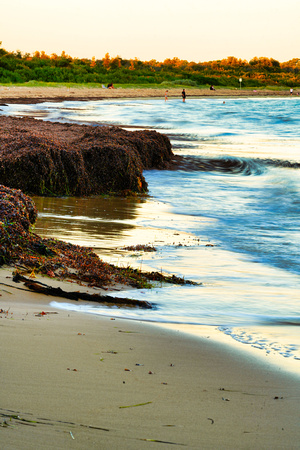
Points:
[93,62]
[106,61]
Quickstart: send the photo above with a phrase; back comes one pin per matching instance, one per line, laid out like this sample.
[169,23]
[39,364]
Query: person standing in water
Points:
[166,95]
[183,94]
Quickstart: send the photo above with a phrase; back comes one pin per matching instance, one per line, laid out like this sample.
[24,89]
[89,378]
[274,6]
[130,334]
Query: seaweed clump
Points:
[17,214]
[42,166]
[45,158]
[140,248]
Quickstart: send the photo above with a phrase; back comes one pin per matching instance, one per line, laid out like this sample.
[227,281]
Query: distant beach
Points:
[24,94]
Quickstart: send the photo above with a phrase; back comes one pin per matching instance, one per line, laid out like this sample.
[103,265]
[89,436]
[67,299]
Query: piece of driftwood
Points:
[45,289]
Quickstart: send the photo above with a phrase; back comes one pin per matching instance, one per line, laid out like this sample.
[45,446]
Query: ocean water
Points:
[231,224]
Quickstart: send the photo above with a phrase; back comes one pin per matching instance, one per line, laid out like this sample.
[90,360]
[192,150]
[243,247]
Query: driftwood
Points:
[45,289]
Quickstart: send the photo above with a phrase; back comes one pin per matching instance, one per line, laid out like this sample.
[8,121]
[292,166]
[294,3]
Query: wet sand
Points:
[24,94]
[74,380]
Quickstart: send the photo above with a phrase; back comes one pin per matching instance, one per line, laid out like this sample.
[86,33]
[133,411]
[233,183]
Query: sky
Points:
[191,30]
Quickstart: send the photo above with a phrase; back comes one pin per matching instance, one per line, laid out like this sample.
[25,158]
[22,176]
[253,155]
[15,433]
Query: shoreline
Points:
[110,251]
[80,380]
[32,95]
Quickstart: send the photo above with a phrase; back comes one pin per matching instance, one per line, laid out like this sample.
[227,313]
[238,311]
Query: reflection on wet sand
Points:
[109,224]
[94,221]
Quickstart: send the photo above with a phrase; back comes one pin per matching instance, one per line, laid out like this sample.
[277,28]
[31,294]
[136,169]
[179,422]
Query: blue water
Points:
[243,200]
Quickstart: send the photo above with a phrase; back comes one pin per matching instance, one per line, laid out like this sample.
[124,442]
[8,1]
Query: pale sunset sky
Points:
[192,30]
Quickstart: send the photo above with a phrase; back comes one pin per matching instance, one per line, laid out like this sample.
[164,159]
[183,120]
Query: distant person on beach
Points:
[291,91]
[183,94]
[166,95]
[212,88]
[110,86]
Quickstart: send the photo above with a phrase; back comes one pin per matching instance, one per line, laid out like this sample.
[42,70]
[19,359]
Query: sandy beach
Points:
[74,380]
[79,381]
[24,94]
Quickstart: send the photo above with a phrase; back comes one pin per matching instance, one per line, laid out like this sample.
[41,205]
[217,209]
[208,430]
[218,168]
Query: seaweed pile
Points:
[29,253]
[17,214]
[45,158]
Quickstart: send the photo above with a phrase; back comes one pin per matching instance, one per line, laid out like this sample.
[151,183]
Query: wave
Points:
[228,165]
[231,165]
[281,163]
[264,341]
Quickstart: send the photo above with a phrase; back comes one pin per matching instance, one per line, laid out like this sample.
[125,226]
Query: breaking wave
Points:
[232,165]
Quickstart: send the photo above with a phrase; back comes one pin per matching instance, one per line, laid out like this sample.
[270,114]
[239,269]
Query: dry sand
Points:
[24,94]
[77,381]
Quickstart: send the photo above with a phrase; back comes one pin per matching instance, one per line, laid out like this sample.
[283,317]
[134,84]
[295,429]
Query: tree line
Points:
[16,67]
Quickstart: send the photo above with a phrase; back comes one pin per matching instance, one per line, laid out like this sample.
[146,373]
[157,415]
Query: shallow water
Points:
[233,225]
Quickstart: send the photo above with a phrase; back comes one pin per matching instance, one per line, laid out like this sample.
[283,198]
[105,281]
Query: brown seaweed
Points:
[45,158]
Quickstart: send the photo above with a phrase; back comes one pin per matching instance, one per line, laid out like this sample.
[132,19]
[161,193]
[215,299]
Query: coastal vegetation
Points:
[259,72]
